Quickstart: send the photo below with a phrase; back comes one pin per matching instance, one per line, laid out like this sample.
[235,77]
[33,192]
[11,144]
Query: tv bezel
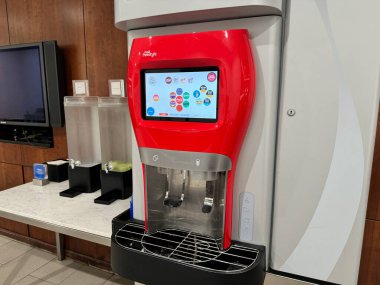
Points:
[43,81]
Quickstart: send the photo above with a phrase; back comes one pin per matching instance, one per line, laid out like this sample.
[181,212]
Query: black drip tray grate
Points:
[186,247]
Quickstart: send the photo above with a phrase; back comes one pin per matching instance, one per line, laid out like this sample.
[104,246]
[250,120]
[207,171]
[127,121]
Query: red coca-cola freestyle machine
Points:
[190,97]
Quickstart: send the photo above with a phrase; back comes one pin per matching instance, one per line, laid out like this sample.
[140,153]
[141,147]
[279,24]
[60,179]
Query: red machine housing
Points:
[231,52]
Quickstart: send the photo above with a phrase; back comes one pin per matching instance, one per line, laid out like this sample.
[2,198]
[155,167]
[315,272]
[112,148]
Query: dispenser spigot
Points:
[208,201]
[172,197]
[72,163]
[107,167]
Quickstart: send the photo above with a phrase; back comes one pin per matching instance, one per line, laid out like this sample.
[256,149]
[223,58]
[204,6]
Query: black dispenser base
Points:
[82,180]
[115,185]
[171,257]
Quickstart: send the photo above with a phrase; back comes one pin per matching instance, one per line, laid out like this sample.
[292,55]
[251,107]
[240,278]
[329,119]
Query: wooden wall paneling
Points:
[32,154]
[2,184]
[39,20]
[11,175]
[370,260]
[106,46]
[28,173]
[13,226]
[90,249]
[42,235]
[373,208]
[4,35]
[10,153]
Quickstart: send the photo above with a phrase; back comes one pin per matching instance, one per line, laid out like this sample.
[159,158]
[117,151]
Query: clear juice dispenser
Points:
[115,134]
[83,142]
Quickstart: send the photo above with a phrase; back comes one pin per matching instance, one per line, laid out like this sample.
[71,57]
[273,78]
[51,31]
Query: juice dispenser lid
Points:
[80,101]
[113,101]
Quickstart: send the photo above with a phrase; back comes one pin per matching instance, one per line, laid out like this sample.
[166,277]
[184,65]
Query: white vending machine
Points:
[302,177]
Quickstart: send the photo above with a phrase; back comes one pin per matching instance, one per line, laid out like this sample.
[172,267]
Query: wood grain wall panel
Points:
[28,173]
[13,226]
[106,46]
[2,184]
[42,235]
[373,209]
[4,35]
[87,248]
[10,153]
[32,154]
[370,260]
[39,20]
[11,175]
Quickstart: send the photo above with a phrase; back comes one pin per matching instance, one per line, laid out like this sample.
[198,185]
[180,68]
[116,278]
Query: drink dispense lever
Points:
[172,197]
[209,199]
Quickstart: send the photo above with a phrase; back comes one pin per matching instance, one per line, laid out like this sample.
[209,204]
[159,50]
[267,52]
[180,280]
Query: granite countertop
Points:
[45,205]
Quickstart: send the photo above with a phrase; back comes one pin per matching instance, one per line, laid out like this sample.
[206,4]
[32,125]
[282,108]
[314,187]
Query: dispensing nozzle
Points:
[173,200]
[208,202]
[107,167]
[72,163]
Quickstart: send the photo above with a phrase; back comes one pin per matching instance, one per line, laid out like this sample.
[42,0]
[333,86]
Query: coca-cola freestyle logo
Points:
[148,53]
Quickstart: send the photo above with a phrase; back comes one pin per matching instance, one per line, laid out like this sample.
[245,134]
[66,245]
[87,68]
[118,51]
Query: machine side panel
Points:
[325,147]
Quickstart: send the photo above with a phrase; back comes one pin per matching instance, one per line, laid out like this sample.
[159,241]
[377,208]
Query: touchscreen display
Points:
[180,94]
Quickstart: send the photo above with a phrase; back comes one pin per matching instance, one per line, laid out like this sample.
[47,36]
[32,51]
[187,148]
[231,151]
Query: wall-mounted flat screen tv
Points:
[25,84]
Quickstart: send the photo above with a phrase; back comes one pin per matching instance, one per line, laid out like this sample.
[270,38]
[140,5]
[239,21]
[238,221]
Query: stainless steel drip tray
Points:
[174,256]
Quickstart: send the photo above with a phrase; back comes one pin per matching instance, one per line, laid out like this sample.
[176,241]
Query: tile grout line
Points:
[31,247]
[77,269]
[112,275]
[35,278]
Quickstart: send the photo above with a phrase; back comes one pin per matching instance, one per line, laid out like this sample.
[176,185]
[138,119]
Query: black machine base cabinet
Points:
[172,257]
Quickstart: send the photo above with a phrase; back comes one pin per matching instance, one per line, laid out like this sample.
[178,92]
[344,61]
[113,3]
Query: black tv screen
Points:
[22,86]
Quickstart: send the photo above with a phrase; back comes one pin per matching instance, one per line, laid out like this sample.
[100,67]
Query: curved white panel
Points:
[331,79]
[334,217]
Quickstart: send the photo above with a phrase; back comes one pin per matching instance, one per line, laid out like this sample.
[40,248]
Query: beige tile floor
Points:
[22,264]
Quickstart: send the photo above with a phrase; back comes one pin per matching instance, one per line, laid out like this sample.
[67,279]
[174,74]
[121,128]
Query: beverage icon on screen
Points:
[199,102]
[179,91]
[168,80]
[196,94]
[203,88]
[172,103]
[156,97]
[179,108]
[152,80]
[172,95]
[211,76]
[207,101]
[179,99]
[183,80]
[186,95]
[209,93]
[190,80]
[150,111]
[186,104]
